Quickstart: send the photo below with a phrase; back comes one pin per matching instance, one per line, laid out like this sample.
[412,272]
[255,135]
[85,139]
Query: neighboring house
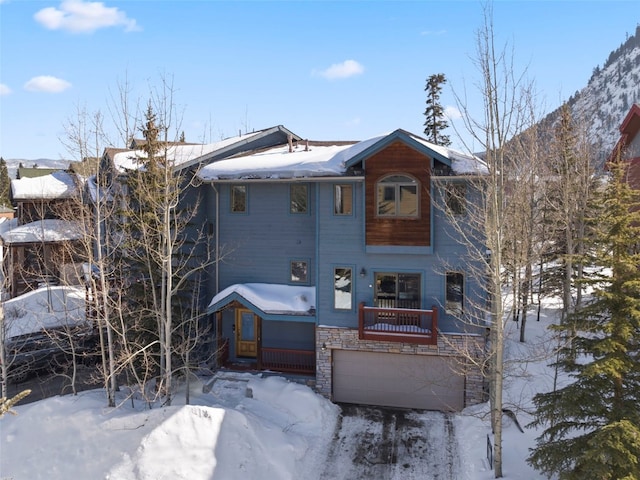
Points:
[32,172]
[42,245]
[333,260]
[628,146]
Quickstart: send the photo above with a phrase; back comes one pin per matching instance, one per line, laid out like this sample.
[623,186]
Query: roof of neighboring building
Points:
[32,172]
[58,184]
[45,231]
[628,130]
[183,155]
[324,159]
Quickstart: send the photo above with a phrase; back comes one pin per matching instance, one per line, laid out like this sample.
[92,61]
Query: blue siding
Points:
[259,246]
[341,243]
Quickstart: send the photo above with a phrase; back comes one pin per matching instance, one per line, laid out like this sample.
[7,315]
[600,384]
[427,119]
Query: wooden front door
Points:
[247,333]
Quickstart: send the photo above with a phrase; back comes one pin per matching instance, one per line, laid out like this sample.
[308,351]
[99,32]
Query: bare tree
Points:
[502,92]
[86,140]
[164,246]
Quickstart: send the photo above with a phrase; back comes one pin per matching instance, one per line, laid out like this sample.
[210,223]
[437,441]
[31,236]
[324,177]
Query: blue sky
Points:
[325,70]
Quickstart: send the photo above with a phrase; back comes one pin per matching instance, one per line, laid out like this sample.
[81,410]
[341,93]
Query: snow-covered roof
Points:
[177,154]
[55,185]
[46,307]
[461,163]
[269,298]
[279,162]
[319,161]
[46,231]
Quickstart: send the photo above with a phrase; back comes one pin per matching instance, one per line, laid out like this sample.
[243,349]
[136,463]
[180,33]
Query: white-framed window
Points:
[398,196]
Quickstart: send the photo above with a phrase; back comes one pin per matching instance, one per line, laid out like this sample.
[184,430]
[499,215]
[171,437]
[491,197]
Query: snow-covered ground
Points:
[244,426]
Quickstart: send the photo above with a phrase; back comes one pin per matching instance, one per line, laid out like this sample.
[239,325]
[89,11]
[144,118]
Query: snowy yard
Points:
[244,426]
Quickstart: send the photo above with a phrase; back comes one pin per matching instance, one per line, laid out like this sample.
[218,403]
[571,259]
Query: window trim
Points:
[414,182]
[456,201]
[447,303]
[232,188]
[299,260]
[397,300]
[351,268]
[306,209]
[335,203]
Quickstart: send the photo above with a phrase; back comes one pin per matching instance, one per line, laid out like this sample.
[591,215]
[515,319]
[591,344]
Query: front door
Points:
[247,326]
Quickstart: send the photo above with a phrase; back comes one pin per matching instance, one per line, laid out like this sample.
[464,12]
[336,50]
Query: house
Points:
[628,146]
[338,260]
[42,245]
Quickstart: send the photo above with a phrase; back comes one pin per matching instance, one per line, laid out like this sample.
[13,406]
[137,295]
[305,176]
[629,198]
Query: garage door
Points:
[394,380]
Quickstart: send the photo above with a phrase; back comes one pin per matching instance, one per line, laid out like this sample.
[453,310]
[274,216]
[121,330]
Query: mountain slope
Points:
[608,96]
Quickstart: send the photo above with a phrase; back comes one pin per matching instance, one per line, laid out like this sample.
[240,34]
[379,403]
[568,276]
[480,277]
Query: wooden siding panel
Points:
[398,158]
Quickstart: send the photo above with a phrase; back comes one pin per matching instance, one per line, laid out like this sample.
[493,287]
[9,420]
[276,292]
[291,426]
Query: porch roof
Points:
[42,231]
[269,301]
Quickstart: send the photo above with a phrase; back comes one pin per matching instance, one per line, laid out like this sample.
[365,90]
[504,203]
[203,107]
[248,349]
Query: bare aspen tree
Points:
[526,187]
[501,91]
[162,243]
[86,140]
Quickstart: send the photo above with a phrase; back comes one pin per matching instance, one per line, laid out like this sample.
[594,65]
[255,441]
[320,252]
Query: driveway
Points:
[387,444]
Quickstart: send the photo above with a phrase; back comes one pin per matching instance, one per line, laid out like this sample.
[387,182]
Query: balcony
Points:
[406,325]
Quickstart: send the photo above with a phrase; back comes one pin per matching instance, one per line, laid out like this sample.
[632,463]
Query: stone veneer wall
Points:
[449,345]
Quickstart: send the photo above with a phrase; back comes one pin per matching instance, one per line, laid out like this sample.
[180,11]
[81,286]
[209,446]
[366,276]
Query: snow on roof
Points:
[42,231]
[317,161]
[54,185]
[461,163]
[278,162]
[273,298]
[46,307]
[177,154]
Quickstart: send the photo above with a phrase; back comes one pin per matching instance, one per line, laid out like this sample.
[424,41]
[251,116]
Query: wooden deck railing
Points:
[285,360]
[406,325]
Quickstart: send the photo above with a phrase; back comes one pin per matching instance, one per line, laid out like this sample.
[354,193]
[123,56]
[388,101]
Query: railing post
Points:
[434,324]
[361,320]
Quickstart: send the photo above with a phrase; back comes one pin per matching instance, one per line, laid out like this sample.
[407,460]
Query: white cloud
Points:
[346,69]
[354,122]
[78,16]
[4,89]
[452,113]
[47,84]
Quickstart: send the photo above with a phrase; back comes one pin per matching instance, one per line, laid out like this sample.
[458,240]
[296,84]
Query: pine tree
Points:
[5,184]
[593,423]
[435,122]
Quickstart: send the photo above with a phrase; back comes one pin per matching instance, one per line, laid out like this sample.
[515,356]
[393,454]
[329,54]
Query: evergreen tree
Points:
[435,122]
[593,423]
[5,184]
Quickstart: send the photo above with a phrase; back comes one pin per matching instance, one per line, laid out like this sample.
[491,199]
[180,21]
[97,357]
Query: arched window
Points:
[398,196]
